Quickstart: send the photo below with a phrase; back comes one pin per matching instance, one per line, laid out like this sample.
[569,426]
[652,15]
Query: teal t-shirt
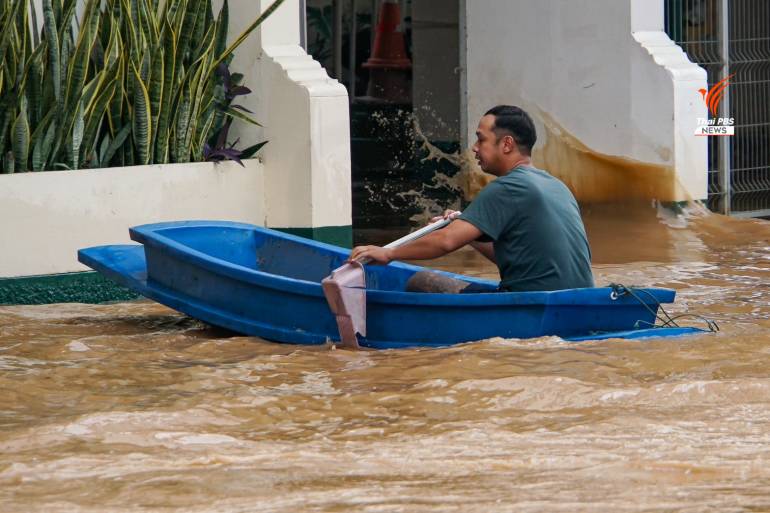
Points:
[538,236]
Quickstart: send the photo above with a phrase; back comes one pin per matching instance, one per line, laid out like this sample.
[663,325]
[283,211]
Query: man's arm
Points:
[485,248]
[436,244]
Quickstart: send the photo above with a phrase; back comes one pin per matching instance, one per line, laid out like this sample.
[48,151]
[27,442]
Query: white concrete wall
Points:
[46,217]
[305,116]
[615,101]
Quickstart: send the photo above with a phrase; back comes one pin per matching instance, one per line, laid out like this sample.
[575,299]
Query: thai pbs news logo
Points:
[715,125]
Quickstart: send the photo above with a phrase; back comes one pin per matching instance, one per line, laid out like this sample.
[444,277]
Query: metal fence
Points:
[732,38]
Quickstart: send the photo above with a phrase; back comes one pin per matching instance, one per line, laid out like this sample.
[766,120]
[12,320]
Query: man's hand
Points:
[375,254]
[448,214]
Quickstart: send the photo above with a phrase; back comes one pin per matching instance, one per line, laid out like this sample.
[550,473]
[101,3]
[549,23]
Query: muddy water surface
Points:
[134,407]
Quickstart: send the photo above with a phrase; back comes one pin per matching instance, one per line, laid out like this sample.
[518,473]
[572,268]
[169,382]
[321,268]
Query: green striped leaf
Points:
[52,40]
[34,25]
[130,25]
[23,37]
[65,27]
[78,127]
[21,135]
[8,106]
[9,165]
[202,132]
[237,114]
[91,90]
[136,20]
[195,107]
[180,152]
[142,122]
[156,89]
[42,147]
[93,120]
[185,34]
[169,63]
[7,30]
[78,70]
[34,86]
[113,52]
[151,25]
[223,22]
[115,144]
[200,24]
[39,131]
[115,109]
[64,63]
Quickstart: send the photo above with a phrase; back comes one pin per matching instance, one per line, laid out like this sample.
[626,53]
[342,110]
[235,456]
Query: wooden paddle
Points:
[345,290]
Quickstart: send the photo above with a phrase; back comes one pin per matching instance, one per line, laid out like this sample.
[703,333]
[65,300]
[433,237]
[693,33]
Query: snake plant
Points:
[99,83]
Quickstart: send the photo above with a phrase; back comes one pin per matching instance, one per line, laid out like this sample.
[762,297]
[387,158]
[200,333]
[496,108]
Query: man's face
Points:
[488,149]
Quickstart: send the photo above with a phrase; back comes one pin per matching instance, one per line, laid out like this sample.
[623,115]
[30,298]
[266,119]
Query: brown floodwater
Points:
[134,407]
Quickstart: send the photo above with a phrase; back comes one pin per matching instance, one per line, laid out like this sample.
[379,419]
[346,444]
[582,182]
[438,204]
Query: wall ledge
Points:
[670,55]
[300,68]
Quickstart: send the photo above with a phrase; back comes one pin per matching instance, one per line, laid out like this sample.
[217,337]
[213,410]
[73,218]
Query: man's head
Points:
[504,138]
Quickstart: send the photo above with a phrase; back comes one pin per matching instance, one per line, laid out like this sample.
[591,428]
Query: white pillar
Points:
[305,117]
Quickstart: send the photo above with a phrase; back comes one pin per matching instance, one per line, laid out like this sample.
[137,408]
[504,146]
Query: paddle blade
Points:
[345,291]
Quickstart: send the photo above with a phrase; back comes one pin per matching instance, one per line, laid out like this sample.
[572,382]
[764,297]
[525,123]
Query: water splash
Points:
[464,184]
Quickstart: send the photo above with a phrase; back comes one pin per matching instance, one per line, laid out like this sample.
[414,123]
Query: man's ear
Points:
[509,144]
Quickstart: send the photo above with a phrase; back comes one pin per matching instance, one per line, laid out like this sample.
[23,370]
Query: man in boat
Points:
[526,221]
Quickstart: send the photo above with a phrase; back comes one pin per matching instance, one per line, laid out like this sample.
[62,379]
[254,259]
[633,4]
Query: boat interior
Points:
[270,253]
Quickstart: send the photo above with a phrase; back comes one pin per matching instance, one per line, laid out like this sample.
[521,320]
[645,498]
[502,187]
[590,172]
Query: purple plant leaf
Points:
[231,154]
[239,90]
[223,132]
[224,72]
[218,156]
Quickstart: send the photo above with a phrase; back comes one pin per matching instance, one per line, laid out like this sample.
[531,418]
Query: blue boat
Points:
[265,283]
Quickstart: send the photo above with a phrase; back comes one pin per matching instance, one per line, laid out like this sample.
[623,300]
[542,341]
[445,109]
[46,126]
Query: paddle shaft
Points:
[425,230]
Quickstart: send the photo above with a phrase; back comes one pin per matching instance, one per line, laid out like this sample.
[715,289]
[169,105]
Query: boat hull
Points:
[265,283]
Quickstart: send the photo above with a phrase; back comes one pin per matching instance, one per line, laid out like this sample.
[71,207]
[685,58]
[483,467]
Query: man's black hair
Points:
[513,121]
